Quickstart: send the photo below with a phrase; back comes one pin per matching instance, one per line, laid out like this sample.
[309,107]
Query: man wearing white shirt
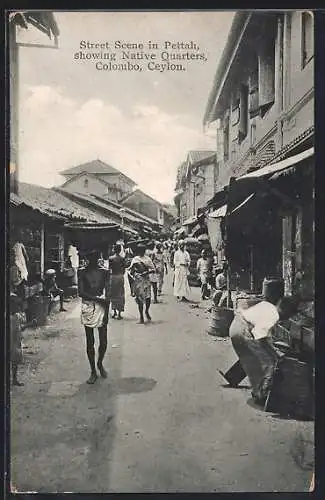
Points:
[250,334]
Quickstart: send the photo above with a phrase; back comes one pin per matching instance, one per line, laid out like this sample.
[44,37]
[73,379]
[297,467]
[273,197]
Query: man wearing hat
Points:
[94,291]
[51,288]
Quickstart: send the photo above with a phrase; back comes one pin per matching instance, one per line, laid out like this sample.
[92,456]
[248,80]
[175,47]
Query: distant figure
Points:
[52,290]
[220,295]
[182,262]
[117,266]
[160,262]
[204,270]
[153,276]
[140,270]
[74,259]
[94,290]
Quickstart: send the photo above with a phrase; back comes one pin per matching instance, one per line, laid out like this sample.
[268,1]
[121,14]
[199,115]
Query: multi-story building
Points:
[195,184]
[96,177]
[262,101]
[148,206]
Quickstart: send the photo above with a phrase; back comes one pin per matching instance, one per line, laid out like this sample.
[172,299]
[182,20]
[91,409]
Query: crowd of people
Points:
[101,285]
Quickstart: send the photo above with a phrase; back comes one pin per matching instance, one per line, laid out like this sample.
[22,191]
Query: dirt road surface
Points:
[163,421]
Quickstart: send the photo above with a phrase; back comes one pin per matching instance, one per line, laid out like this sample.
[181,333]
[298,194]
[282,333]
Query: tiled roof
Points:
[53,203]
[94,167]
[102,205]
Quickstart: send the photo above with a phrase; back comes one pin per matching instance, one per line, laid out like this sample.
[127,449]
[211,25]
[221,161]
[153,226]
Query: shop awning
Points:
[191,220]
[220,212]
[241,188]
[280,166]
[180,231]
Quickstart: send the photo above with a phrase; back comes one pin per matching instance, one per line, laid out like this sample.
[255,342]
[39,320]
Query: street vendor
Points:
[250,334]
[94,290]
[220,294]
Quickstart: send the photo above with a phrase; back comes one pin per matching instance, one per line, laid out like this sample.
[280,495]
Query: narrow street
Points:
[162,422]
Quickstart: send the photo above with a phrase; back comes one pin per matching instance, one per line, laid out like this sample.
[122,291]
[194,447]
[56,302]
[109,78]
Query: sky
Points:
[142,123]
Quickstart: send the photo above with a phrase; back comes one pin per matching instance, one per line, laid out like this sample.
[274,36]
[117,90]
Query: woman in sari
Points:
[117,266]
[140,269]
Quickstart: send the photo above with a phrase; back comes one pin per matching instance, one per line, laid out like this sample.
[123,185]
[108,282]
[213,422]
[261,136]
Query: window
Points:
[266,68]
[243,113]
[86,183]
[307,37]
[253,104]
[226,136]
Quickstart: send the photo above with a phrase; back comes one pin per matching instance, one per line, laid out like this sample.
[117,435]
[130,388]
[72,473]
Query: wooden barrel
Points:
[38,310]
[273,289]
[220,321]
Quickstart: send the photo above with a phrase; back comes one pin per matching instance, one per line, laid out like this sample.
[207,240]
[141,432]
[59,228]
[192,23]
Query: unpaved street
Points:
[163,421]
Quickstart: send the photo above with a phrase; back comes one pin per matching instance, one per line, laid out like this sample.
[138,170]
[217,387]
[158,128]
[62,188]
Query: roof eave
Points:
[236,33]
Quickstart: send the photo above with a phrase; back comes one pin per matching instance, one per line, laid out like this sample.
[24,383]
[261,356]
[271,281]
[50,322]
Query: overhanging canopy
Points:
[220,212]
[191,220]
[242,187]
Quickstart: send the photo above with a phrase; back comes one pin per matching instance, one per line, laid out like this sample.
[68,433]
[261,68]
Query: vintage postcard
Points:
[161,253]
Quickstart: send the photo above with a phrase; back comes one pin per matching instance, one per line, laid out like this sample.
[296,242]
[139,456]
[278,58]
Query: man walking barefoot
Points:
[94,290]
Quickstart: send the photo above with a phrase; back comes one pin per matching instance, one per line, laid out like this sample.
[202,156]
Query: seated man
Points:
[51,288]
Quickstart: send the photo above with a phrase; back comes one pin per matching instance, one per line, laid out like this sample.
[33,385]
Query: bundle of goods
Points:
[194,248]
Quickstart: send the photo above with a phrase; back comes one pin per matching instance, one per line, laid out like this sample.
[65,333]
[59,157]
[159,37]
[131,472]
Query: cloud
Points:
[146,143]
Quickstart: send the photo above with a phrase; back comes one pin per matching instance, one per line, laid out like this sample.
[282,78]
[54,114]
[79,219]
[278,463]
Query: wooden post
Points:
[42,250]
[251,250]
[14,107]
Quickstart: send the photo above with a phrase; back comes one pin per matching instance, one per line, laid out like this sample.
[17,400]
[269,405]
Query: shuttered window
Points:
[307,37]
[266,75]
[226,136]
[243,113]
[253,102]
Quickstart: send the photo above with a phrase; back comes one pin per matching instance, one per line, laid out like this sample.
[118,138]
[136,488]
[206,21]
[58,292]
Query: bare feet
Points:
[102,371]
[92,379]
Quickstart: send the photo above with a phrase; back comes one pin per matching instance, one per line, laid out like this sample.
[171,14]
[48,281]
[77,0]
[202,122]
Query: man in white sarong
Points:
[94,290]
[181,263]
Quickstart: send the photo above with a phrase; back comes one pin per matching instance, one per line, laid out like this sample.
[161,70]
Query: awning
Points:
[242,187]
[281,165]
[219,198]
[180,231]
[190,220]
[220,212]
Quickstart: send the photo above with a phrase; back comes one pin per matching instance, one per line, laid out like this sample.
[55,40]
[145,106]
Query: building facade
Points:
[96,177]
[262,103]
[148,206]
[195,184]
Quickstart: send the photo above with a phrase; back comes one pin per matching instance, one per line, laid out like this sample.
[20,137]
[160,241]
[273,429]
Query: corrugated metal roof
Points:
[51,202]
[94,167]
